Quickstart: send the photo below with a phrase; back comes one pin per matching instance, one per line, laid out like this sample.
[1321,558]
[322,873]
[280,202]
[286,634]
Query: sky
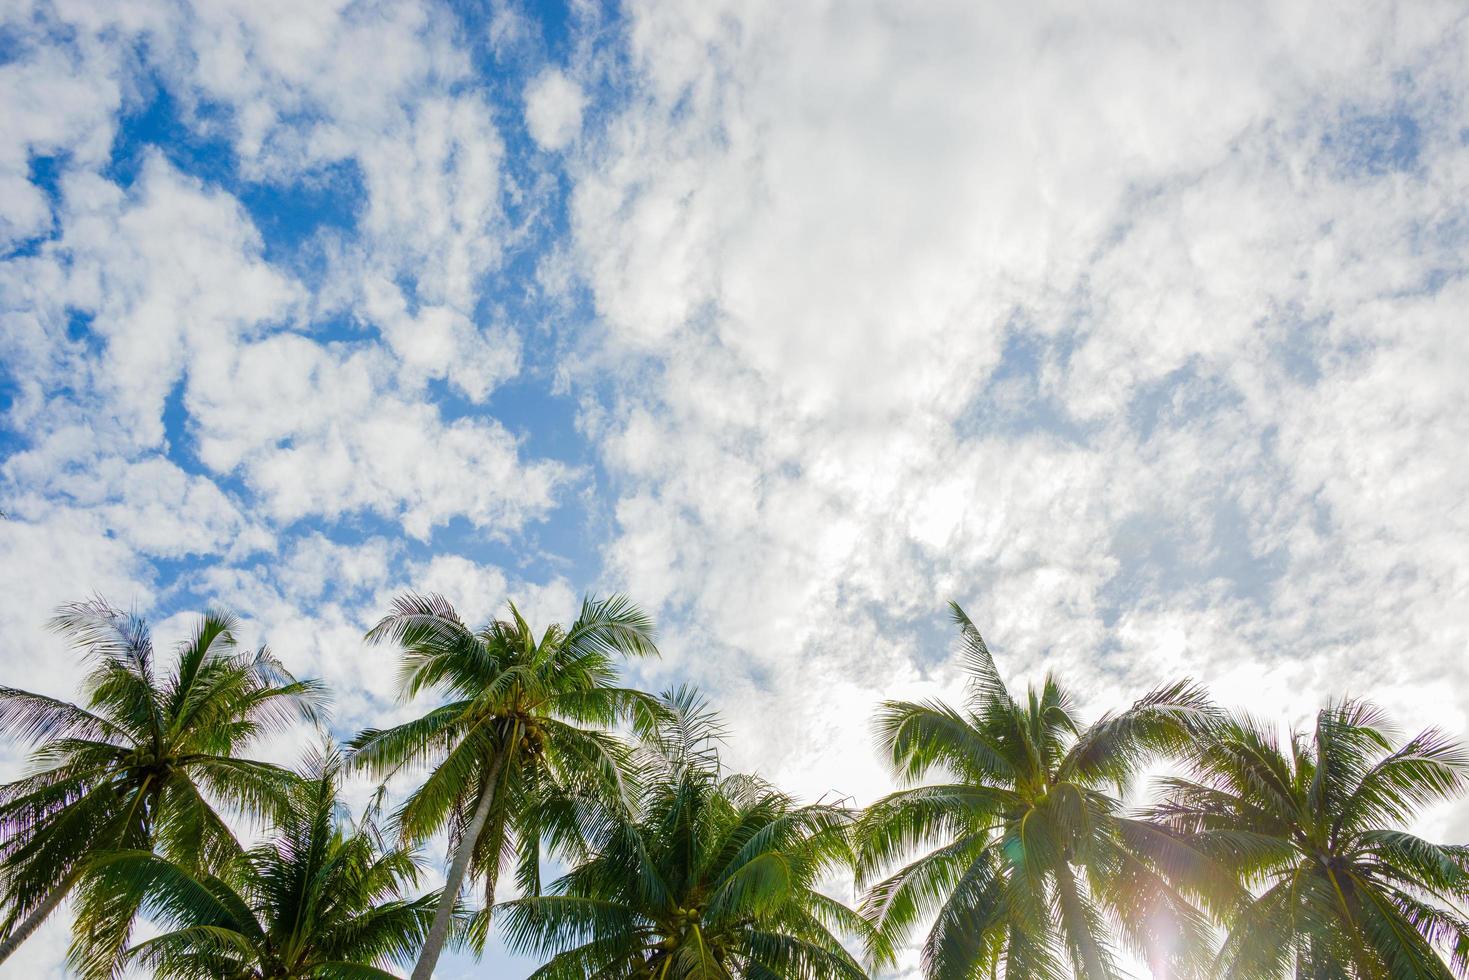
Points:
[1137,328]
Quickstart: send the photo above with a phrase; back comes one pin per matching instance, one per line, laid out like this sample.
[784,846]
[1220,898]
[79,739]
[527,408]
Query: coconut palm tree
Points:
[1298,843]
[1029,866]
[524,725]
[321,899]
[709,877]
[142,766]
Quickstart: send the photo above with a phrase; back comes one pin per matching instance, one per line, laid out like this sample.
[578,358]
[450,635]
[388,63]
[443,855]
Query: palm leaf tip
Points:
[614,625]
[985,683]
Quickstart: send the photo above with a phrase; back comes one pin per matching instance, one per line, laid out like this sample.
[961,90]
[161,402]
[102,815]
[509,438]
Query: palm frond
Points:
[985,686]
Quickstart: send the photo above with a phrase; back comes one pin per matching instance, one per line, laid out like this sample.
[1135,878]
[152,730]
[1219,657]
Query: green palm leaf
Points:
[1017,852]
[1325,885]
[320,898]
[145,764]
[518,746]
[699,875]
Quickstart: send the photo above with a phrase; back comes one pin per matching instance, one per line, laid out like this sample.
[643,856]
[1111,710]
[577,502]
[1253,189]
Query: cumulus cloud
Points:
[440,342]
[52,107]
[172,278]
[319,429]
[149,503]
[378,88]
[1089,319]
[553,109]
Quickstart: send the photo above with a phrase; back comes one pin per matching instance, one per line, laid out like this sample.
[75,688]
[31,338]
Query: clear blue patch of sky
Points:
[79,330]
[176,435]
[1159,555]
[182,444]
[197,146]
[1299,346]
[1372,144]
[1179,397]
[289,216]
[12,44]
[196,140]
[552,22]
[1014,401]
[11,441]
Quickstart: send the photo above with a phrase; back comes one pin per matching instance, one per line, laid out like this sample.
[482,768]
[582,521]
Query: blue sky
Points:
[1137,328]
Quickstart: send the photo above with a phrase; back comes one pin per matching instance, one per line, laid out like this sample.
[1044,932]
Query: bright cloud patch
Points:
[1089,324]
[553,109]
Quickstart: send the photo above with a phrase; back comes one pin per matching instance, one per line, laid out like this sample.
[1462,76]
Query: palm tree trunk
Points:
[454,880]
[33,921]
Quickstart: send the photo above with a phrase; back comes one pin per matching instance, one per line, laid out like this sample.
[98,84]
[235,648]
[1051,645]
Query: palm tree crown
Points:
[138,767]
[710,876]
[1032,863]
[1297,846]
[524,726]
[319,899]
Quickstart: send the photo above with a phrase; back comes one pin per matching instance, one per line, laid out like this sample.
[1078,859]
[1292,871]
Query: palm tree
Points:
[709,877]
[317,901]
[137,768]
[524,726]
[1030,860]
[1297,847]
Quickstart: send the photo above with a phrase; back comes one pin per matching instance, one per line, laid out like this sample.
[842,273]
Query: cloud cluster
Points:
[553,109]
[192,403]
[1133,329]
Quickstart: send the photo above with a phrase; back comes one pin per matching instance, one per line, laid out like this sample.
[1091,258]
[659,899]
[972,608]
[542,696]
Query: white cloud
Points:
[553,109]
[58,101]
[150,504]
[173,278]
[66,558]
[320,430]
[440,342]
[166,273]
[317,564]
[304,80]
[372,84]
[1079,317]
[379,87]
[434,196]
